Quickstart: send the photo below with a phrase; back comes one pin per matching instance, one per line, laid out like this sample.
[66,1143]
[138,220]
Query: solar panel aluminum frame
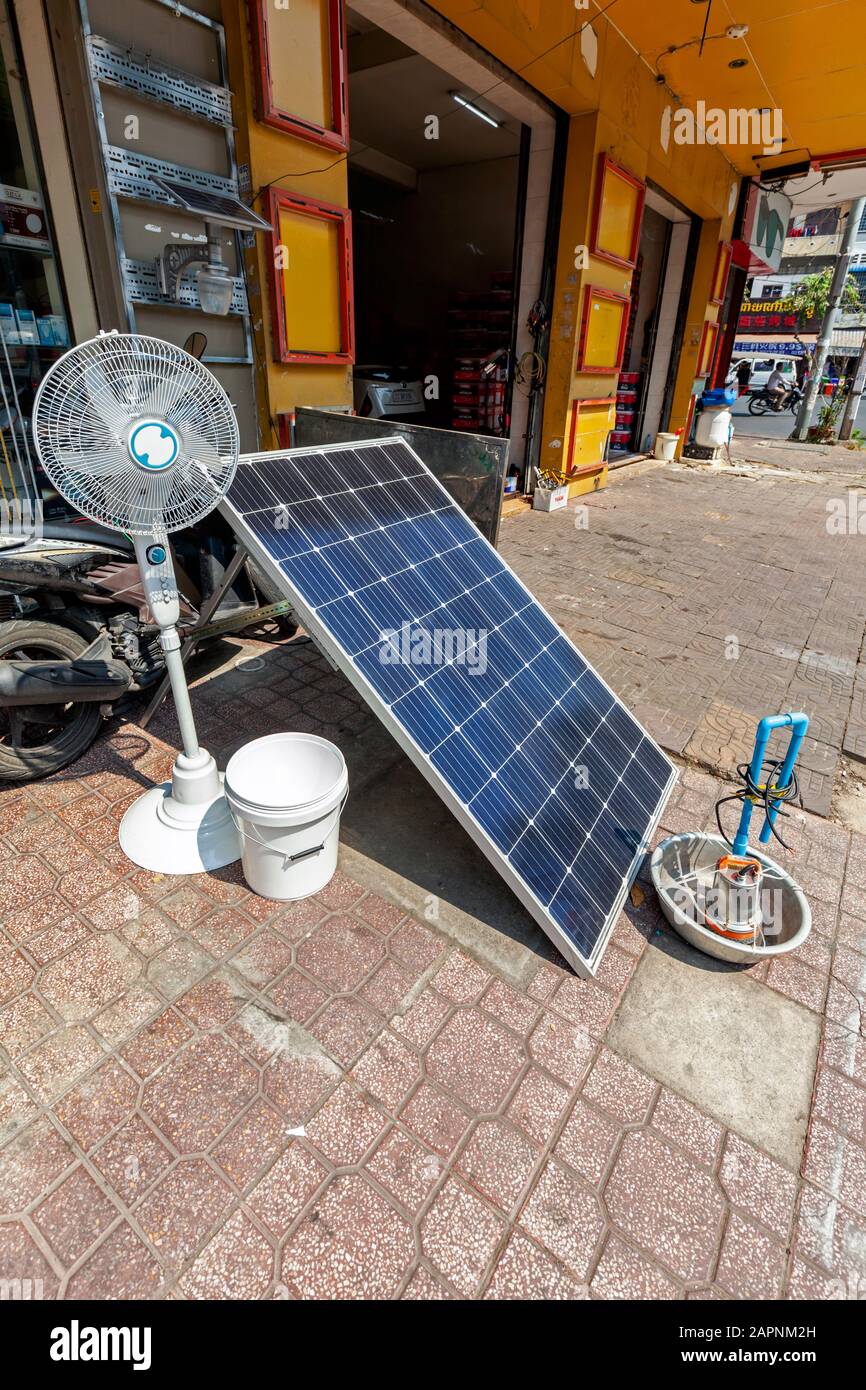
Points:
[585,966]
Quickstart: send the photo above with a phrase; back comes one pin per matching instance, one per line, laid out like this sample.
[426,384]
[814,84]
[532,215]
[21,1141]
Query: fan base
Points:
[202,837]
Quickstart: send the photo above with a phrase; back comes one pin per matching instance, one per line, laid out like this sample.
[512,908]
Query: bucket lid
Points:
[292,772]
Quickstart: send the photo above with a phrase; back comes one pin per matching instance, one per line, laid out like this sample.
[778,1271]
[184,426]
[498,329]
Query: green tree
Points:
[810,295]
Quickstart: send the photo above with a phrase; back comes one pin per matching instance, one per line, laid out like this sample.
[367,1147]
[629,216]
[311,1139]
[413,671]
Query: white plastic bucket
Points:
[713,428]
[285,793]
[665,446]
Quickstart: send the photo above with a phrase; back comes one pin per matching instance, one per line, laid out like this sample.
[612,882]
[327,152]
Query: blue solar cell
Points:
[553,776]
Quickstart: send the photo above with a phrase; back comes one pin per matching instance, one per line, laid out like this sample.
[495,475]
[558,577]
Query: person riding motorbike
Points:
[777,387]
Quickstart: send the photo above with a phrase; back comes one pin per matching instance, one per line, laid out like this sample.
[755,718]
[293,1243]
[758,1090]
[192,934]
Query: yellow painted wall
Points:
[274,156]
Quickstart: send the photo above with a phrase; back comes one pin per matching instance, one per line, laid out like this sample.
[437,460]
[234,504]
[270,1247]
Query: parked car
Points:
[387,392]
[761,368]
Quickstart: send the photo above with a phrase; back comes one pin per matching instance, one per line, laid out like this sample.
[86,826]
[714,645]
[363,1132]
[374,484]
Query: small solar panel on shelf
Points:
[530,749]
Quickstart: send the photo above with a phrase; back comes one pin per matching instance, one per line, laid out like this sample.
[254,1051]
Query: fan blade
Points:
[113,413]
[200,449]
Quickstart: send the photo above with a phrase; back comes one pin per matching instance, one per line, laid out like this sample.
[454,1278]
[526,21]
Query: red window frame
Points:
[710,334]
[279,198]
[597,292]
[576,405]
[267,109]
[606,166]
[721,271]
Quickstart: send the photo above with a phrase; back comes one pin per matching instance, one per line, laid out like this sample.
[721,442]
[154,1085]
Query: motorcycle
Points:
[76,636]
[762,403]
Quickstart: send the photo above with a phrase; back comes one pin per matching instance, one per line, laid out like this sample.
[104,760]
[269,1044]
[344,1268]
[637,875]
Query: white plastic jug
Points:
[713,428]
[286,793]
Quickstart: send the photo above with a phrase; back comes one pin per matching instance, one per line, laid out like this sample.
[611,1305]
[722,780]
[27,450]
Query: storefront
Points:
[34,318]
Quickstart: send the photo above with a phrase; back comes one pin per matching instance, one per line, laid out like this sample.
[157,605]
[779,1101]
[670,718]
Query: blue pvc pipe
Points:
[798,724]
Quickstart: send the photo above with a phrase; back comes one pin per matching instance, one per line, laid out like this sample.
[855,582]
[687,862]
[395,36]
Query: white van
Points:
[761,368]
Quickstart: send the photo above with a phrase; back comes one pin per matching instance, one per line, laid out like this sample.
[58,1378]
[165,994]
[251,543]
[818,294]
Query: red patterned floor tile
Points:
[56,1063]
[379,913]
[476,1059]
[132,1159]
[182,1208]
[30,1162]
[624,1273]
[586,1004]
[415,946]
[296,996]
[565,1218]
[21,1259]
[831,1236]
[619,1088]
[125,1016]
[525,1272]
[561,1047]
[346,1126]
[156,1043]
[16,1107]
[120,1268]
[22,1023]
[340,893]
[86,881]
[757,1183]
[341,952]
[422,1287]
[295,920]
[679,1120]
[175,970]
[237,1263]
[281,1195]
[459,1235]
[221,932]
[82,982]
[264,958]
[16,973]
[24,925]
[751,1264]
[544,982]
[837,1166]
[345,1027]
[186,906]
[74,1216]
[678,1220]
[211,1003]
[197,1094]
[513,1009]
[148,933]
[98,1103]
[352,1244]
[436,1119]
[796,981]
[57,939]
[387,987]
[405,1168]
[419,1023]
[461,979]
[498,1162]
[24,879]
[842,1103]
[537,1105]
[388,1070]
[587,1142]
[297,1085]
[252,1143]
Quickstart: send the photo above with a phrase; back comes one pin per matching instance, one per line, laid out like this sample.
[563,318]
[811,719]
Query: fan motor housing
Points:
[152,444]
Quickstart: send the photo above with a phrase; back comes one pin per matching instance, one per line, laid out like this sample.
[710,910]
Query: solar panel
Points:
[547,770]
[219,207]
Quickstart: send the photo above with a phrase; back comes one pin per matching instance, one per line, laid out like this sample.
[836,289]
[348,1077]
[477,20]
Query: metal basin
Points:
[683,870]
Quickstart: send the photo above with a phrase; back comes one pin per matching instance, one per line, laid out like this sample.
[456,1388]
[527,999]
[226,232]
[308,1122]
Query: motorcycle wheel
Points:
[36,740]
[757,405]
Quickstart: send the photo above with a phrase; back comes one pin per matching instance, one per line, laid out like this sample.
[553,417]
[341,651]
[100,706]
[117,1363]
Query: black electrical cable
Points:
[767,795]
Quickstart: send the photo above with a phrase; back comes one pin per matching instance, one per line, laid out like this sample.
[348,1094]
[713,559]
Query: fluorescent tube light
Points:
[476,110]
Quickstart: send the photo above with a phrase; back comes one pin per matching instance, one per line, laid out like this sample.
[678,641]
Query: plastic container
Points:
[285,793]
[665,447]
[713,428]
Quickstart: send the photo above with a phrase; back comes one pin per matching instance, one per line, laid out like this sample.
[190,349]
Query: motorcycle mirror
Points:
[195,345]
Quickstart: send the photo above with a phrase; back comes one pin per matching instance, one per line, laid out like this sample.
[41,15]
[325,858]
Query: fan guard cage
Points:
[86,407]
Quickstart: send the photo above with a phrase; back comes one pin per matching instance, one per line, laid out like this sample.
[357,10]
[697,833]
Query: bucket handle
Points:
[287,858]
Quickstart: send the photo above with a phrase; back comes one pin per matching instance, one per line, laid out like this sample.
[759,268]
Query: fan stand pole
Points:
[184,826]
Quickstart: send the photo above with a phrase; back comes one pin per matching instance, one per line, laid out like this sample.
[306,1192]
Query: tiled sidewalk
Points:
[209,1095]
[707,599]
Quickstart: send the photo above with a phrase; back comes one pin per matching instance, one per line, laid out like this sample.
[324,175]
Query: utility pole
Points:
[840,277]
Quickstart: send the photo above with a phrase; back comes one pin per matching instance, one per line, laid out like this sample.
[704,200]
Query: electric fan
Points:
[140,437]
